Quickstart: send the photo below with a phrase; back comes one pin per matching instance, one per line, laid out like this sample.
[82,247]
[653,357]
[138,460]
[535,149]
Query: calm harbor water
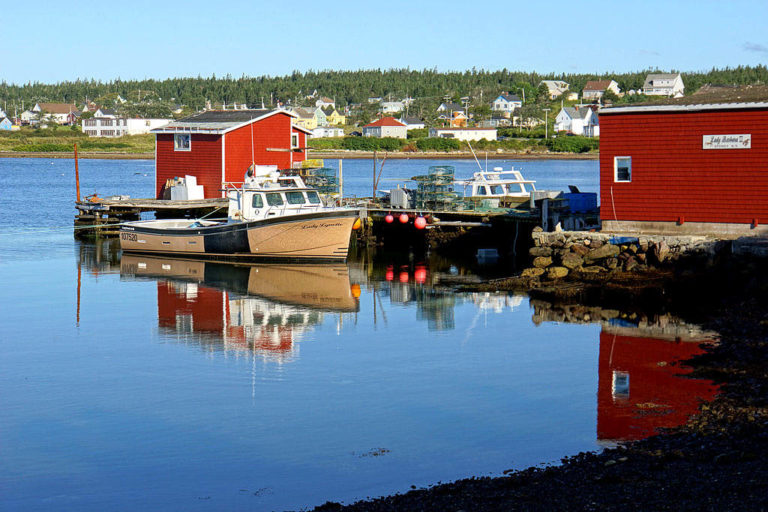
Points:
[135,382]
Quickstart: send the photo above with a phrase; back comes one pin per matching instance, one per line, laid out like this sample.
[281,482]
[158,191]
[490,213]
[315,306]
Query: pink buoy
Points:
[420,222]
[389,219]
[404,277]
[420,275]
[403,218]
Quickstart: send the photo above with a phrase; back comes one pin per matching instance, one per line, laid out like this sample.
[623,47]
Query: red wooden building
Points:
[218,146]
[676,168]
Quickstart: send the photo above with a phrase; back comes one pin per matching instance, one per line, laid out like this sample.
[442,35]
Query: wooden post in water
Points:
[341,183]
[373,195]
[77,175]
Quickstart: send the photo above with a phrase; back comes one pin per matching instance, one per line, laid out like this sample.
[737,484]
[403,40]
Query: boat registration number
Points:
[131,237]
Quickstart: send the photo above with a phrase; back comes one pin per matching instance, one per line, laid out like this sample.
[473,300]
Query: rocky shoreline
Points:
[718,460]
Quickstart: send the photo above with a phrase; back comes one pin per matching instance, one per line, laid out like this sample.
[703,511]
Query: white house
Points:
[5,123]
[59,113]
[578,121]
[325,102]
[392,107]
[595,89]
[506,103]
[449,107]
[105,112]
[555,87]
[386,127]
[412,123]
[664,84]
[327,131]
[28,117]
[464,133]
[117,127]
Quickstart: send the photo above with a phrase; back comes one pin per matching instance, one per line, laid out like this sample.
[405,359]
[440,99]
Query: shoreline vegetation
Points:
[59,143]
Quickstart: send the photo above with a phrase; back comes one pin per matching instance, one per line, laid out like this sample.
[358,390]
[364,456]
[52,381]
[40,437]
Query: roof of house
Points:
[107,111]
[659,76]
[597,85]
[576,112]
[219,121]
[58,108]
[411,120]
[385,121]
[326,99]
[509,97]
[304,113]
[451,105]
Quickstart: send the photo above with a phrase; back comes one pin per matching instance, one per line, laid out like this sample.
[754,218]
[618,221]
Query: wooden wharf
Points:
[102,217]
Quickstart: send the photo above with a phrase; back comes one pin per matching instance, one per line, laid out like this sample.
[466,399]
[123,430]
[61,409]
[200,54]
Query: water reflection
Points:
[641,385]
[263,308]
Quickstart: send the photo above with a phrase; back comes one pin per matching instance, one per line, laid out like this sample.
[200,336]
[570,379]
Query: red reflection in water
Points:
[639,391]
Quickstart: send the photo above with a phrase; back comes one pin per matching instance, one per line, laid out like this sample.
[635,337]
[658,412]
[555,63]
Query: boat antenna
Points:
[252,159]
[474,155]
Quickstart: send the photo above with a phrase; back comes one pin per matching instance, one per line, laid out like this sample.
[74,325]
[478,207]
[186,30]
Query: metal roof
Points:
[683,108]
[218,121]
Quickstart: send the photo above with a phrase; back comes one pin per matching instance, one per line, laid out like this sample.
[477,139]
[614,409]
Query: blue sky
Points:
[57,40]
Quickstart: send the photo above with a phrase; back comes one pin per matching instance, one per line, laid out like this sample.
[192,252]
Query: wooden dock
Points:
[102,217]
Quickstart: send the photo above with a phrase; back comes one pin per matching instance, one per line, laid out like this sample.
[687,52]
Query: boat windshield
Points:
[497,190]
[313,197]
[294,197]
[274,199]
[257,201]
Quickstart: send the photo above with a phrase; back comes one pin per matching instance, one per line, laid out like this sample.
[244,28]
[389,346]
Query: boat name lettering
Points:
[321,225]
[131,237]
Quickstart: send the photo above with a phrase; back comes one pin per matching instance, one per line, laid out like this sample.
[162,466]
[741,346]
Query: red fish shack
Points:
[685,168]
[218,146]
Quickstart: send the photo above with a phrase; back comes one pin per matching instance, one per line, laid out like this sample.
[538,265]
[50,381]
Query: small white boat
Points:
[270,216]
[506,188]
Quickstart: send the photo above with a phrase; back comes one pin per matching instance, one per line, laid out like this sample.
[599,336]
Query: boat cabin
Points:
[504,186]
[267,193]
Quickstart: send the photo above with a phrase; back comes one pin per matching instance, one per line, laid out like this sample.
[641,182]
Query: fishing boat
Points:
[270,215]
[506,188]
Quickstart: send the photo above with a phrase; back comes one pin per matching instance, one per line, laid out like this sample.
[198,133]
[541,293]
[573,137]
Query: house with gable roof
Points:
[386,127]
[5,124]
[555,87]
[664,84]
[59,113]
[578,121]
[324,101]
[595,89]
[333,117]
[506,103]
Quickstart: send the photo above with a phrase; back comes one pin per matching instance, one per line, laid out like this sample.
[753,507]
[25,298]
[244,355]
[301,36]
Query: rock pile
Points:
[558,254]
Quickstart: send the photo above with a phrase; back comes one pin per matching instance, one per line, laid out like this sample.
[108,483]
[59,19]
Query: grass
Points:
[62,140]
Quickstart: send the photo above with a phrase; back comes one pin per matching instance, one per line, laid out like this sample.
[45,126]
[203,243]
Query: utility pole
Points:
[546,124]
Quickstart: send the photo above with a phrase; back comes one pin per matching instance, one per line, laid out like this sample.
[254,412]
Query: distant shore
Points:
[360,155]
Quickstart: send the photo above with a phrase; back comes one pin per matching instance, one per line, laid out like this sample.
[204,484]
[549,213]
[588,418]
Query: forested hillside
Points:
[344,86]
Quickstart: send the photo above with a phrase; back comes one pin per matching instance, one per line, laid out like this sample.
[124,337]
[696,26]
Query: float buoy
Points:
[389,219]
[403,218]
[420,222]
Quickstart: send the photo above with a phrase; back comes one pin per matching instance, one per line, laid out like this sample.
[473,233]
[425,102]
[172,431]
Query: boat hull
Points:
[315,236]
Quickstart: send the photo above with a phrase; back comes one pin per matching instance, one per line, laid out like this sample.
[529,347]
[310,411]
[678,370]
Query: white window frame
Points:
[616,160]
[177,137]
[294,140]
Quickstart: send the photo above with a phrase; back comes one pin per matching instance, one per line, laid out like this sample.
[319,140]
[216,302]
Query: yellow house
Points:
[334,118]
[306,119]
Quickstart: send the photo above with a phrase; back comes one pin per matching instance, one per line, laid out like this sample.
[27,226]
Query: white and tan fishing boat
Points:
[507,188]
[269,216]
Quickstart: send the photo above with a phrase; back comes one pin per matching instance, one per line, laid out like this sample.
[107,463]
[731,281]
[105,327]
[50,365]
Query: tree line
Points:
[345,87]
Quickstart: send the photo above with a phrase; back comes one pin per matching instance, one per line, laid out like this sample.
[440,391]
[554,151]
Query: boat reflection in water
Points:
[263,308]
[642,385]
